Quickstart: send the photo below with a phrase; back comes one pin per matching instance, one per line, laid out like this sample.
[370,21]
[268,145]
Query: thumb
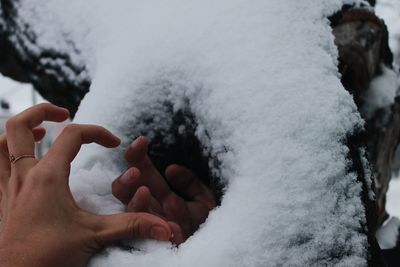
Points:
[132,225]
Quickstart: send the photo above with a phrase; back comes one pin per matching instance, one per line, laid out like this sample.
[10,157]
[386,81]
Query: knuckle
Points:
[11,123]
[72,128]
[44,105]
[135,226]
[40,178]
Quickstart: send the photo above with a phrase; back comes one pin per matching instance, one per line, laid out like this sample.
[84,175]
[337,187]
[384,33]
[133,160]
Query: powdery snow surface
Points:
[393,205]
[261,80]
[389,10]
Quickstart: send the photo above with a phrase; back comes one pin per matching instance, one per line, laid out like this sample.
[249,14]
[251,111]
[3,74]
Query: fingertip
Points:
[140,202]
[116,141]
[130,176]
[160,233]
[66,112]
[137,150]
[174,171]
[160,230]
[62,113]
[39,133]
[144,190]
[177,237]
[140,140]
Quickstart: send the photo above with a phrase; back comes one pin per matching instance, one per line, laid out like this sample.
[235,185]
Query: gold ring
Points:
[14,159]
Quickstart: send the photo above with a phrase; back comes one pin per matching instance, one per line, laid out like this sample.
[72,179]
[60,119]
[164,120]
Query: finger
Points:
[4,159]
[188,185]
[178,237]
[137,151]
[69,142]
[132,225]
[143,201]
[20,138]
[199,212]
[136,155]
[125,186]
[176,210]
[38,133]
[140,201]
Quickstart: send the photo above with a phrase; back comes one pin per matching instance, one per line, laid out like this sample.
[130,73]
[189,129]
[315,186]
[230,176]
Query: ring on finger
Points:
[14,159]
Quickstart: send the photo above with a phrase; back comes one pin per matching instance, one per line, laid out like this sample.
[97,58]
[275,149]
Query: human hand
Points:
[181,198]
[41,224]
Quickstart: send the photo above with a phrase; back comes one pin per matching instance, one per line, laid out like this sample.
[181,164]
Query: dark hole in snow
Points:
[173,140]
[185,149]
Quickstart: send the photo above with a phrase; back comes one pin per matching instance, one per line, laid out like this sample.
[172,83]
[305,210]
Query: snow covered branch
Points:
[53,71]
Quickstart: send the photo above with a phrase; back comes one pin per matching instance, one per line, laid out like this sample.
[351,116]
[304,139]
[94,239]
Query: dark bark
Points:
[362,41]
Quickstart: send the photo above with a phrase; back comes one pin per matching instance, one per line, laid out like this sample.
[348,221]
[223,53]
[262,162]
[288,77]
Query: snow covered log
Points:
[232,95]
[54,69]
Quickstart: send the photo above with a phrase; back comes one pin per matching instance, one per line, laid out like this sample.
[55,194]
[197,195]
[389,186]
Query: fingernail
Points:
[159,233]
[127,177]
[135,141]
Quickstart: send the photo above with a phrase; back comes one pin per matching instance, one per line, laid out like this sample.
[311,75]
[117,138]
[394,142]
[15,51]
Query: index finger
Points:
[69,142]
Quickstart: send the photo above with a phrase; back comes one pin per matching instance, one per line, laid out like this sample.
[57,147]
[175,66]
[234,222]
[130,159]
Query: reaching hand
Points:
[41,225]
[181,198]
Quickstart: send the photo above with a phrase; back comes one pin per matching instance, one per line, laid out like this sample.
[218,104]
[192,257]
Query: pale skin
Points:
[41,224]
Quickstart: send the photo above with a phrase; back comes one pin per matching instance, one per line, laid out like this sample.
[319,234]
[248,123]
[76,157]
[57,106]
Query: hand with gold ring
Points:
[42,225]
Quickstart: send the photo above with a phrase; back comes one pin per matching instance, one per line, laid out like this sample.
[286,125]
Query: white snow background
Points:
[262,80]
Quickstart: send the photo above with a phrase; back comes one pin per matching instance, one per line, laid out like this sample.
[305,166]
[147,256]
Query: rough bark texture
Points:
[51,71]
[362,39]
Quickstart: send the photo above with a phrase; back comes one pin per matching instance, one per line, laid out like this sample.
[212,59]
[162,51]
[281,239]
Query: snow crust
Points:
[261,79]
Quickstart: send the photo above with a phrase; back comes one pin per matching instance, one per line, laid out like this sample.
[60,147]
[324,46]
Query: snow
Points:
[393,197]
[389,10]
[381,93]
[18,95]
[262,81]
[388,233]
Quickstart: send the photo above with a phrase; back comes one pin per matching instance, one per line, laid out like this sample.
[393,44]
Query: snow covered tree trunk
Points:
[59,75]
[54,72]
